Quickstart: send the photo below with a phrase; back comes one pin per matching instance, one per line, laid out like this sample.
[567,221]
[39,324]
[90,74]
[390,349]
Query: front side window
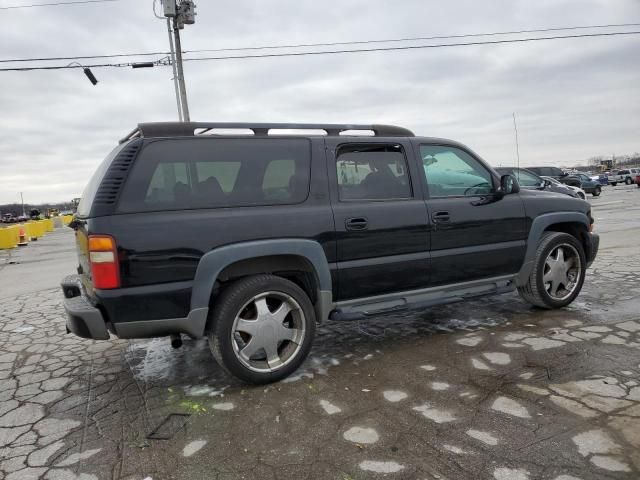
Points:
[217,172]
[452,172]
[372,172]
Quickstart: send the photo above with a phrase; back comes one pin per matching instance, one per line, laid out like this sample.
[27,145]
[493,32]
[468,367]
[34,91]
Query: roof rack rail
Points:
[188,129]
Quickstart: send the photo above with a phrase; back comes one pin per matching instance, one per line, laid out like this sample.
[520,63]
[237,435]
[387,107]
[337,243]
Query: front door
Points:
[475,233]
[380,217]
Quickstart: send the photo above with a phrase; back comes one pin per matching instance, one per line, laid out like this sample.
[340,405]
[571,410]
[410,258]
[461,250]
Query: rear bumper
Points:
[592,248]
[83,319]
[87,321]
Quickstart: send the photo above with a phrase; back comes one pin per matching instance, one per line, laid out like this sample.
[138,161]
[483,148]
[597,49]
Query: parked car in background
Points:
[601,178]
[584,182]
[553,172]
[531,181]
[577,190]
[625,176]
[638,180]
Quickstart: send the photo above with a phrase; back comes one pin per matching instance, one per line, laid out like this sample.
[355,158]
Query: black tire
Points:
[597,192]
[232,302]
[628,181]
[582,196]
[534,291]
[613,184]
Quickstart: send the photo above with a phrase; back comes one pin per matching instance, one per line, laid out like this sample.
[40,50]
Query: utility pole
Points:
[22,201]
[182,13]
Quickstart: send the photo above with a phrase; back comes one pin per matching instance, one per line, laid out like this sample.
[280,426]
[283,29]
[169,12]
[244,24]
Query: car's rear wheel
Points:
[558,272]
[262,328]
[628,181]
[613,184]
[596,192]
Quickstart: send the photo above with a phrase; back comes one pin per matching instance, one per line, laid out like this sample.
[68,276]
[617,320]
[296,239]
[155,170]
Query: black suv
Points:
[250,234]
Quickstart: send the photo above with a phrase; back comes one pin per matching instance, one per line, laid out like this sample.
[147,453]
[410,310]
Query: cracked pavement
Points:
[485,389]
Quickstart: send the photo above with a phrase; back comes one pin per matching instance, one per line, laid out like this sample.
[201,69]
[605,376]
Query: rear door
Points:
[382,232]
[474,235]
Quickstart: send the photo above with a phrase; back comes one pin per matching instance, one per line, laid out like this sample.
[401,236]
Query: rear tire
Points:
[262,328]
[613,184]
[597,192]
[552,270]
[628,181]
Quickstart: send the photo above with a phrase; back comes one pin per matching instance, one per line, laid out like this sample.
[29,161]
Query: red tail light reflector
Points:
[103,258]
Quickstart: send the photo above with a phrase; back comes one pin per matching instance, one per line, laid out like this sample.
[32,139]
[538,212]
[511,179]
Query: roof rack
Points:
[189,129]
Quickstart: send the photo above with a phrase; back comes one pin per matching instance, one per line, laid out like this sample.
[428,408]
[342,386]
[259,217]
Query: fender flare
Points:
[538,226]
[213,262]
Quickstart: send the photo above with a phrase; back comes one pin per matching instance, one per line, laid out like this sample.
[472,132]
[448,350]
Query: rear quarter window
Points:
[89,193]
[192,173]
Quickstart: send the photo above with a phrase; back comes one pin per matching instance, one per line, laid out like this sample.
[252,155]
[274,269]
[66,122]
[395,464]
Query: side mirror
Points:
[508,184]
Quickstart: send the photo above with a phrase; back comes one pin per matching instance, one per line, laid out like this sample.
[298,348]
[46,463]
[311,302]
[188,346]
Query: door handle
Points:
[358,223]
[441,217]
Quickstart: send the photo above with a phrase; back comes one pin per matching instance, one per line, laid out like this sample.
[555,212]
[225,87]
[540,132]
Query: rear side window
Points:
[182,174]
[372,172]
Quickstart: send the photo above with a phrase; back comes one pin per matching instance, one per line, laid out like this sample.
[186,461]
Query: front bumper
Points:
[592,248]
[83,319]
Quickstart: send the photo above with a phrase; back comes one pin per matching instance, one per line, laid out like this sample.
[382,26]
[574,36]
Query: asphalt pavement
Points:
[487,389]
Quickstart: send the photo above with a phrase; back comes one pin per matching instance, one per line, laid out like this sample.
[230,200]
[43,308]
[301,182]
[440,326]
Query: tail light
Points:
[103,258]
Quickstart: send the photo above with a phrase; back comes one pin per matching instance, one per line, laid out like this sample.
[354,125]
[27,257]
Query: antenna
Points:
[515,127]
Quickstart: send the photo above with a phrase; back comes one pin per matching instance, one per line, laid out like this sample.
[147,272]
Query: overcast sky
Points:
[573,98]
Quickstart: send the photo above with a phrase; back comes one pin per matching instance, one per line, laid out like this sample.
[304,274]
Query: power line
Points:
[410,39]
[304,45]
[56,4]
[333,52]
[411,47]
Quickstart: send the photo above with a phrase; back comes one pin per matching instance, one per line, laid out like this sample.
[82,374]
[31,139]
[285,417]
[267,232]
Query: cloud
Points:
[573,98]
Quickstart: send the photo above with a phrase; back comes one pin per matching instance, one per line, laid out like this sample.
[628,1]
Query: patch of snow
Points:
[381,467]
[193,447]
[329,407]
[361,435]
[435,414]
[394,395]
[510,407]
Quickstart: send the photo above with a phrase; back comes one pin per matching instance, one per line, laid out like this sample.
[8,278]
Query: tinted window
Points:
[89,193]
[623,172]
[450,171]
[217,172]
[372,172]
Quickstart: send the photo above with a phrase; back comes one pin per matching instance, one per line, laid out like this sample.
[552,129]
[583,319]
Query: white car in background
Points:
[580,192]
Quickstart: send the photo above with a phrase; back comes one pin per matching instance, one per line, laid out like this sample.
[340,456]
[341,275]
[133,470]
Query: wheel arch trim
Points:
[214,262]
[539,225]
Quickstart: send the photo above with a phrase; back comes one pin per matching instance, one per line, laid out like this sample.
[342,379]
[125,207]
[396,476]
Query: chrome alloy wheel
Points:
[562,270]
[268,332]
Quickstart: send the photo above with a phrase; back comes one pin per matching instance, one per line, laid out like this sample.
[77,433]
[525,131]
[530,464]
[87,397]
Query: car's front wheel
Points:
[582,196]
[596,192]
[558,272]
[613,184]
[262,328]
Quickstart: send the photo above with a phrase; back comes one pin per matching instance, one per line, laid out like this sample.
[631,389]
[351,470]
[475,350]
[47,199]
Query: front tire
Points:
[262,328]
[613,184]
[597,192]
[558,272]
[582,196]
